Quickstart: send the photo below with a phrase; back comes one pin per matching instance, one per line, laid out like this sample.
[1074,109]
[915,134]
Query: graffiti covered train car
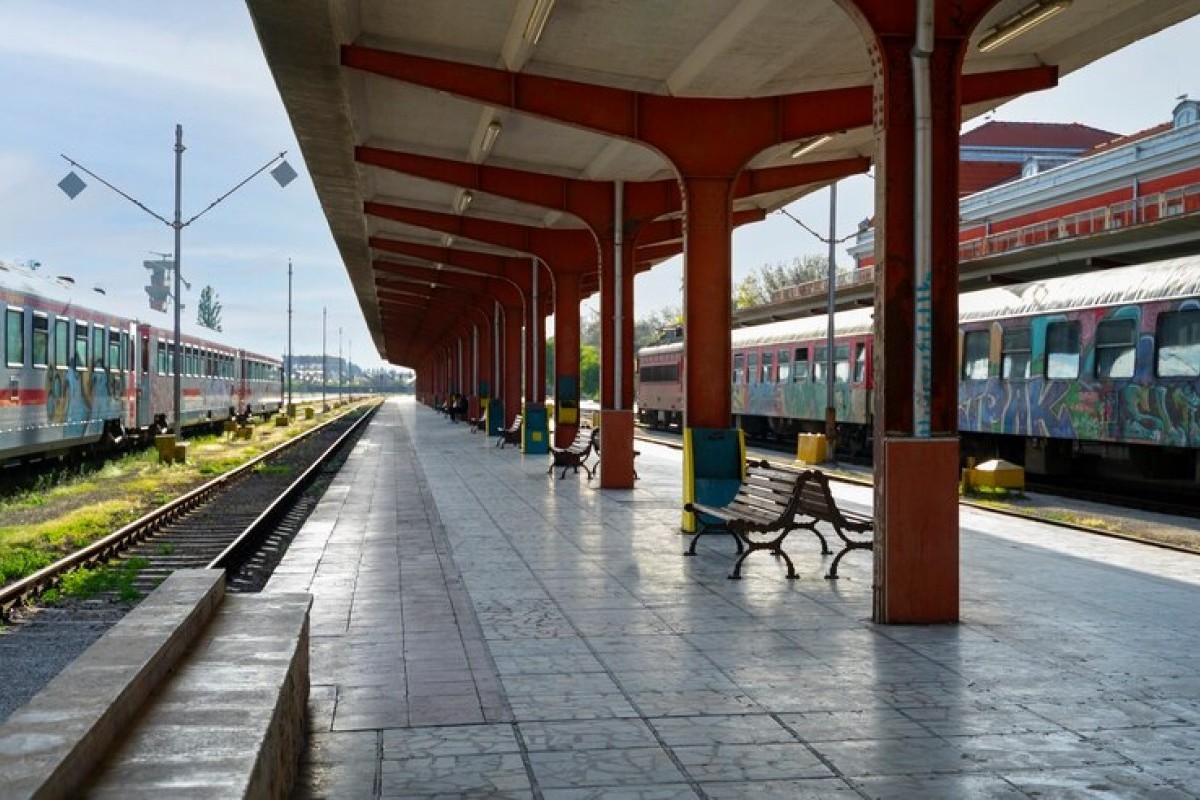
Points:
[75,376]
[1091,372]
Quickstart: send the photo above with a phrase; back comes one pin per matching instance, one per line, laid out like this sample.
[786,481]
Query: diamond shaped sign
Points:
[283,174]
[72,185]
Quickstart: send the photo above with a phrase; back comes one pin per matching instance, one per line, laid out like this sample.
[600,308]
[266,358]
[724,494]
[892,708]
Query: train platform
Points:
[482,629]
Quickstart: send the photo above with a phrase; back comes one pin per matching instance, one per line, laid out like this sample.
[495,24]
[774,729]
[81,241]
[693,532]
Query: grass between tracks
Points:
[58,516]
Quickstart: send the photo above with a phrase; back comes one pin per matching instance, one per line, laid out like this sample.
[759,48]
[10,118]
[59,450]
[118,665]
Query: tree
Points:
[758,288]
[208,311]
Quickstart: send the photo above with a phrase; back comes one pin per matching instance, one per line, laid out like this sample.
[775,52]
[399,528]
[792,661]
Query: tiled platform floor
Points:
[481,629]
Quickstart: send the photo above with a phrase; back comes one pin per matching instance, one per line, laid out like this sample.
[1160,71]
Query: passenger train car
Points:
[1098,372]
[73,376]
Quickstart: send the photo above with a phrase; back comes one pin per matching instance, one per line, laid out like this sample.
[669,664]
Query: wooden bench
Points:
[478,423]
[596,450]
[574,455]
[511,434]
[759,517]
[817,505]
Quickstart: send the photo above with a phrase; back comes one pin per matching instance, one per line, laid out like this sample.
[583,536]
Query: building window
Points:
[1014,355]
[1178,349]
[1116,349]
[1062,350]
[976,353]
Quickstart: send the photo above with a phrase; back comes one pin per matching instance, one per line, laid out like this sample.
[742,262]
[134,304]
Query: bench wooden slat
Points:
[511,434]
[765,506]
[574,455]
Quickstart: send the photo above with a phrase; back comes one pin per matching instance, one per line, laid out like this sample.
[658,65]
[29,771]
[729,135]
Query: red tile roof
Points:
[975,176]
[1120,141]
[1035,134]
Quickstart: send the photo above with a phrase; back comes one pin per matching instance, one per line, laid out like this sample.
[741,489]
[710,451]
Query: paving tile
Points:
[479,631]
[603,768]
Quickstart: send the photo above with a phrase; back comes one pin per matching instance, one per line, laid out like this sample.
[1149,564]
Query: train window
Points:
[1014,355]
[114,350]
[739,365]
[860,362]
[62,343]
[81,345]
[751,367]
[976,345]
[98,347]
[14,337]
[841,357]
[1178,344]
[800,370]
[768,367]
[160,358]
[1062,350]
[127,352]
[1116,348]
[41,340]
[785,367]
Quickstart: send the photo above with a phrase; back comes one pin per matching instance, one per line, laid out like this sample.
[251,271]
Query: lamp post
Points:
[72,185]
[831,286]
[289,342]
[323,406]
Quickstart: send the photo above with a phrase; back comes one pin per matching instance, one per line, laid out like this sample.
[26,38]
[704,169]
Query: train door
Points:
[142,360]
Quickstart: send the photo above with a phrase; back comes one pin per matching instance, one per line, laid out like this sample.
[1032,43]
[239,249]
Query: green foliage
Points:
[86,582]
[17,562]
[589,372]
[759,287]
[208,310]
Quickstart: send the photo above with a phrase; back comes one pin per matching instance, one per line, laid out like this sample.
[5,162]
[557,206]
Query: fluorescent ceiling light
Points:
[464,200]
[1022,21]
[537,20]
[808,145]
[447,241]
[490,134]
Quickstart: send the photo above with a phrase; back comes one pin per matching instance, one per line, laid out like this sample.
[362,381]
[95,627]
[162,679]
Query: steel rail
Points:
[229,556]
[106,548]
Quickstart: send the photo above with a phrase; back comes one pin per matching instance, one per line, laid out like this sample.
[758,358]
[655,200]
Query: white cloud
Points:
[93,38]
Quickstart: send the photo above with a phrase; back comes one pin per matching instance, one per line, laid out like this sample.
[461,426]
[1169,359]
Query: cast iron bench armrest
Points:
[760,516]
[817,504]
[573,455]
[511,434]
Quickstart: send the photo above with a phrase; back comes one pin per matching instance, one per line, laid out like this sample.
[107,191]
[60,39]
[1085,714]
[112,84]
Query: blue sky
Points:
[106,83]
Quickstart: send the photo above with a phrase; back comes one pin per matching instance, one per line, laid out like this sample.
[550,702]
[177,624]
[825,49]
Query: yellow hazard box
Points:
[995,474]
[811,448]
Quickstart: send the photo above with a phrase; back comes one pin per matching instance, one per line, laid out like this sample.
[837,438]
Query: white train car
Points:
[73,376]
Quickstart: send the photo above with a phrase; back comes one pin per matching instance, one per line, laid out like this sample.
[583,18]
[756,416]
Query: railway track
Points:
[240,521]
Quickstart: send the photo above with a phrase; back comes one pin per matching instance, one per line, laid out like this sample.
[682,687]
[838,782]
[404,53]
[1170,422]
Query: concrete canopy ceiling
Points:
[681,48]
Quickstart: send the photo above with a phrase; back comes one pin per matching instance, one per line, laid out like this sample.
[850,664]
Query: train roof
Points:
[1173,279]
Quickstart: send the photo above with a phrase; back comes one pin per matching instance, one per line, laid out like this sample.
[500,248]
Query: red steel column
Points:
[566,348]
[511,387]
[916,444]
[707,312]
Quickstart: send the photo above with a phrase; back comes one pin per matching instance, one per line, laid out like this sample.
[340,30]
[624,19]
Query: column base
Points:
[916,537]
